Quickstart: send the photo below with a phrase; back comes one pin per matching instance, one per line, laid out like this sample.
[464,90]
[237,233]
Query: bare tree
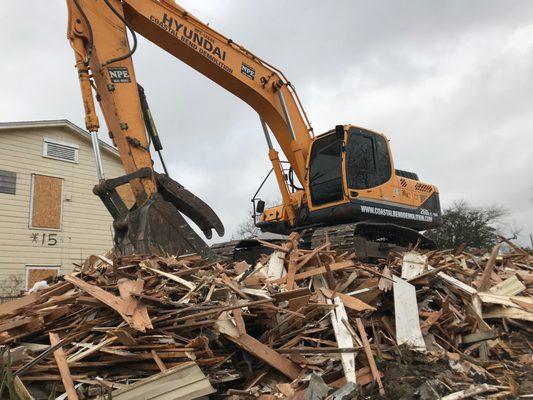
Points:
[246,228]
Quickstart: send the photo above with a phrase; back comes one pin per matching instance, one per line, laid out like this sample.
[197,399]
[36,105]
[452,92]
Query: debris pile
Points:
[298,324]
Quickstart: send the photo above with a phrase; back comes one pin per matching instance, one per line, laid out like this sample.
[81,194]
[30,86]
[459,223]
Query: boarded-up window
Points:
[35,274]
[46,202]
[8,182]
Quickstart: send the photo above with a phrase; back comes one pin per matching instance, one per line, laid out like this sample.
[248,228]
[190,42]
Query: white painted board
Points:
[406,315]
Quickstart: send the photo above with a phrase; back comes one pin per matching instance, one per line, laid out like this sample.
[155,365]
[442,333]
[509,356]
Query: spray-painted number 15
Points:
[46,239]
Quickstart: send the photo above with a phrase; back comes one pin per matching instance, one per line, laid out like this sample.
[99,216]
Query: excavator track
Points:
[369,240]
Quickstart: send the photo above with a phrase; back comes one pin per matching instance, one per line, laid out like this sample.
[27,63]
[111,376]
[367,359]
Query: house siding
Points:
[86,226]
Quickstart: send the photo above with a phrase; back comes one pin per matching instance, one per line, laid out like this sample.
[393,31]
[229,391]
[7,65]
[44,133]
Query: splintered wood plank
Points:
[526,305]
[349,301]
[239,321]
[484,282]
[62,365]
[510,312]
[181,281]
[15,323]
[316,271]
[267,355]
[406,315]
[161,365]
[292,271]
[463,287]
[369,355]
[509,301]
[126,287]
[14,305]
[339,319]
[116,303]
[93,349]
[124,337]
[509,287]
[133,307]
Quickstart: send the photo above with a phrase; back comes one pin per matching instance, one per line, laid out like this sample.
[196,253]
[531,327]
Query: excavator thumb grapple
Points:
[158,226]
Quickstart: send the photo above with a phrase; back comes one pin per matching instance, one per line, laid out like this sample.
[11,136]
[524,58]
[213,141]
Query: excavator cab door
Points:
[325,170]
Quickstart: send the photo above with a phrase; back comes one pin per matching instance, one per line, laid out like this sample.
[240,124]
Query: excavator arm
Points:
[98,33]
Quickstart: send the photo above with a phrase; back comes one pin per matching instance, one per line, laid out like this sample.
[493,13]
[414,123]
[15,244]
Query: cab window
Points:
[325,170]
[367,160]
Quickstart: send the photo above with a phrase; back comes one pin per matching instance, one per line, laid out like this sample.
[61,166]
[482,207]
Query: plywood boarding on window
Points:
[36,274]
[47,202]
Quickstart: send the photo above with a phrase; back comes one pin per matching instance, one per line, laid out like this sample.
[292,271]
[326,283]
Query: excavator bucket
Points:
[158,226]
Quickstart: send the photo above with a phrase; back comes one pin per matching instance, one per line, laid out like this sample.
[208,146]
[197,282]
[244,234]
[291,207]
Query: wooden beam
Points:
[239,321]
[291,273]
[107,298]
[14,305]
[62,365]
[267,355]
[349,301]
[370,356]
[463,287]
[158,361]
[181,281]
[91,350]
[484,282]
[316,271]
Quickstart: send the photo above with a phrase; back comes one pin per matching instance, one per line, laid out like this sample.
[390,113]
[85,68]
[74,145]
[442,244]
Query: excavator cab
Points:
[352,178]
[356,158]
[352,183]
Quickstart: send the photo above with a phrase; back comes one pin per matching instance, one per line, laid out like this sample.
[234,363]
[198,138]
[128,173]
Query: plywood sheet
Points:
[47,202]
[413,265]
[39,274]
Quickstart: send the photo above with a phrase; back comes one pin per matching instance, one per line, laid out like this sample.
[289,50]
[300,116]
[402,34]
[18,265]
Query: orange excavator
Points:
[343,180]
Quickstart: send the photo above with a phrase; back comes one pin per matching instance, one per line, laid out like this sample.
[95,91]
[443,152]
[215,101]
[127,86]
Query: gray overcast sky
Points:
[449,82]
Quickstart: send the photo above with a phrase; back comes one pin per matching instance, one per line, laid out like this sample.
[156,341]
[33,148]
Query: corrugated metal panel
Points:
[182,382]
